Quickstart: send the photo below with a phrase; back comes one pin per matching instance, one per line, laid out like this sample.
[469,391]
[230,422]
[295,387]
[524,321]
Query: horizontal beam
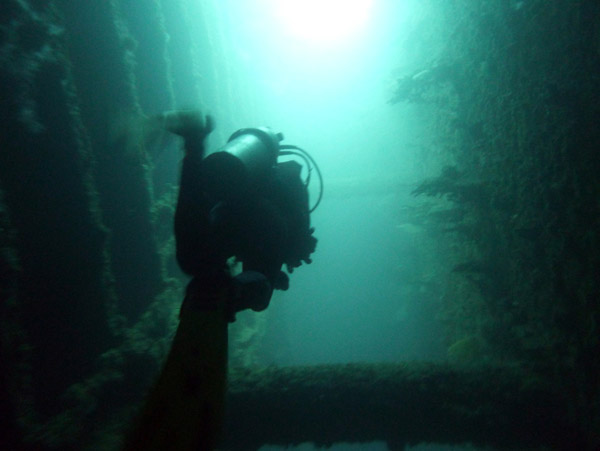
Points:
[400,404]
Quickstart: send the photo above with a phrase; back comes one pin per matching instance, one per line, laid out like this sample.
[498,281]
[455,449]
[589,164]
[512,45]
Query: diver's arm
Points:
[195,251]
[191,215]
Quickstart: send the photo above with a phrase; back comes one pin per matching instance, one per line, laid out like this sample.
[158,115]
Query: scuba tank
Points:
[248,158]
[242,164]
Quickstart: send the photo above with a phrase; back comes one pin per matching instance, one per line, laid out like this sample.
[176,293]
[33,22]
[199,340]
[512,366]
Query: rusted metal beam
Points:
[400,404]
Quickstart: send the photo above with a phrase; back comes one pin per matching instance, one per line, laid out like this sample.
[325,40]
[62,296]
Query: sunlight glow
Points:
[322,21]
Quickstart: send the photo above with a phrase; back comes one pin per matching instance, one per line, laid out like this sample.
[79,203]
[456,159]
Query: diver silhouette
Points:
[237,204]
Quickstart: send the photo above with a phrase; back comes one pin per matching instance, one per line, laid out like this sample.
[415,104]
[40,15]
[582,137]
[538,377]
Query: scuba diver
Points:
[239,202]
[240,205]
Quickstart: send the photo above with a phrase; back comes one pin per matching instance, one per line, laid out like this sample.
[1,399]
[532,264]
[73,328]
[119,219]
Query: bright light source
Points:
[322,21]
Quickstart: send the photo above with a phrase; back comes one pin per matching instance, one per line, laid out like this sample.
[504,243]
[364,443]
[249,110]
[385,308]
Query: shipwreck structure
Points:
[88,287]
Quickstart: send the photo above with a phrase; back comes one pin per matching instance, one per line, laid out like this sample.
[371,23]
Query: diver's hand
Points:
[192,125]
[188,122]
